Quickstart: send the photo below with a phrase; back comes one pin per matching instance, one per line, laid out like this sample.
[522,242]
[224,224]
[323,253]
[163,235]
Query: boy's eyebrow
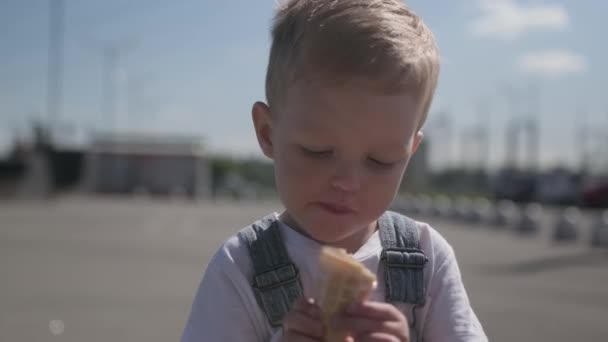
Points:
[400,149]
[395,145]
[308,126]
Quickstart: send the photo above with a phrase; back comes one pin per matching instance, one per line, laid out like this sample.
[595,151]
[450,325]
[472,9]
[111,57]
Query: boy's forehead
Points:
[377,136]
[349,98]
[322,111]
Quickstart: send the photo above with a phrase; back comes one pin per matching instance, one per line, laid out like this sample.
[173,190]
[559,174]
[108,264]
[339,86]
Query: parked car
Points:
[595,194]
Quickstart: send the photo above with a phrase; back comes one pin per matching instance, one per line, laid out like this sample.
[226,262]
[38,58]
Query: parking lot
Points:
[117,269]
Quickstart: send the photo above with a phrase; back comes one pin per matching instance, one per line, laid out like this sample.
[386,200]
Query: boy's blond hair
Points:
[379,41]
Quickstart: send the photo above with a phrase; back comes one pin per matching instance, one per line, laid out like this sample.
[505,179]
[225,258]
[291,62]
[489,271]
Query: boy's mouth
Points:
[336,209]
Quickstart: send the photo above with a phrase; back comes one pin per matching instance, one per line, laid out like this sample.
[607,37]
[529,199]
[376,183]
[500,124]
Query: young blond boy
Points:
[349,85]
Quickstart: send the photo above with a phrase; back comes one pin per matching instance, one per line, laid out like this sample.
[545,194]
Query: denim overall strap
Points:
[403,261]
[276,281]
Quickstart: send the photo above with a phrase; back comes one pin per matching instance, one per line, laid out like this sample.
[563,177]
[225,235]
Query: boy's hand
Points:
[374,322]
[303,322]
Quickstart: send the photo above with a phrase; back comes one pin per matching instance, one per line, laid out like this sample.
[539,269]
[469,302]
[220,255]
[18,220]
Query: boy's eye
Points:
[316,152]
[382,163]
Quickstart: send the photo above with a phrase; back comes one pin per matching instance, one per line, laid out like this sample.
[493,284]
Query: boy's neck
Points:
[351,243]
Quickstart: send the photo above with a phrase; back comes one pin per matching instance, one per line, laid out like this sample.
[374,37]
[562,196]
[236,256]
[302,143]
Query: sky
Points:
[195,67]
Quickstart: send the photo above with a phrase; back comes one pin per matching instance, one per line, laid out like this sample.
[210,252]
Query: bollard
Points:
[423,205]
[141,192]
[479,211]
[409,205]
[404,204]
[599,231]
[442,206]
[504,214]
[452,213]
[566,226]
[530,221]
[461,208]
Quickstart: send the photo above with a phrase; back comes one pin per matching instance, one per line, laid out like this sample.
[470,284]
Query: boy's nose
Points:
[347,178]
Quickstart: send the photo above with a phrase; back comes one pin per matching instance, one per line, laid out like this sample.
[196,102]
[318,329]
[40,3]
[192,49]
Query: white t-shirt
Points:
[225,308]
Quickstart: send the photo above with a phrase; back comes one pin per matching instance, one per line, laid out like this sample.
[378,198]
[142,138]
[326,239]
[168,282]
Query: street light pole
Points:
[55,62]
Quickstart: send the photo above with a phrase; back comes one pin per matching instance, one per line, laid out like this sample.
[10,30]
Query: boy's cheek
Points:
[304,173]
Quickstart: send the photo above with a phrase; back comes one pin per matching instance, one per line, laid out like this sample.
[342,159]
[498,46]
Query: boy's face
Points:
[339,156]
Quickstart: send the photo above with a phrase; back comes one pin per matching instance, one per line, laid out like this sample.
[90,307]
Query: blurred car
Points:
[599,234]
[595,195]
[559,186]
[514,185]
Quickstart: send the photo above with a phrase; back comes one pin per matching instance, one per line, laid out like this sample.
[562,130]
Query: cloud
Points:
[508,20]
[552,62]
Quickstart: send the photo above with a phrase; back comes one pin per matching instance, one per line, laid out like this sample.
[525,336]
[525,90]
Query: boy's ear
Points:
[417,140]
[263,127]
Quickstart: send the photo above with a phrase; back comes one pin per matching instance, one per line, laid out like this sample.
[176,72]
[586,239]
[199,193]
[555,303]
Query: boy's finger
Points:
[296,337]
[300,323]
[375,310]
[379,337]
[360,326]
[308,307]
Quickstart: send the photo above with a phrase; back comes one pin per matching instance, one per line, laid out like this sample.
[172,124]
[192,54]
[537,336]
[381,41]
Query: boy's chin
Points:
[323,237]
[328,229]
[331,236]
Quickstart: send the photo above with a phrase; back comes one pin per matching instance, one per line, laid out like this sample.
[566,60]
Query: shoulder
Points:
[225,295]
[433,241]
[233,254]
[433,244]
